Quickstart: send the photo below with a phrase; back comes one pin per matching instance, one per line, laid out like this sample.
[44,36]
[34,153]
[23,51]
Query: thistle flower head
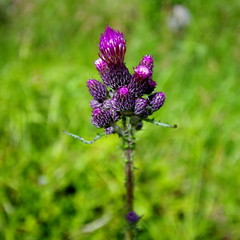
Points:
[97,89]
[147,61]
[123,100]
[141,106]
[156,101]
[101,66]
[112,46]
[121,94]
[101,118]
[132,217]
[142,72]
[117,76]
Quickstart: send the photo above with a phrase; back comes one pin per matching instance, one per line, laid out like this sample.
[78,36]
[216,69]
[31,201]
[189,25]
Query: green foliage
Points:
[187,179]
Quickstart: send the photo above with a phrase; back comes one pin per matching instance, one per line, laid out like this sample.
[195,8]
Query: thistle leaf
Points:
[83,140]
[161,124]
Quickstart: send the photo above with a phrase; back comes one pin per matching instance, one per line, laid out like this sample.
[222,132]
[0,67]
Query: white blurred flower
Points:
[180,18]
[42,180]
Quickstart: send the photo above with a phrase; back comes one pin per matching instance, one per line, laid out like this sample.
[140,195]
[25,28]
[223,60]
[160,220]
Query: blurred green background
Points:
[53,187]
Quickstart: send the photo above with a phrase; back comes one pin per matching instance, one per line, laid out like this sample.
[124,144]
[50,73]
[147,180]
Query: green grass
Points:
[187,182]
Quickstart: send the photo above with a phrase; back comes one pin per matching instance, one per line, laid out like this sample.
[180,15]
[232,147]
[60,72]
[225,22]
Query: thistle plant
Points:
[120,104]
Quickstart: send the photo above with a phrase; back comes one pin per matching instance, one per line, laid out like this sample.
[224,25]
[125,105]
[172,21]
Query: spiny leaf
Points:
[83,140]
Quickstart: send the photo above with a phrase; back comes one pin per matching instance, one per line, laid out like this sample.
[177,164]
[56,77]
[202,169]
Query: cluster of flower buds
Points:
[121,94]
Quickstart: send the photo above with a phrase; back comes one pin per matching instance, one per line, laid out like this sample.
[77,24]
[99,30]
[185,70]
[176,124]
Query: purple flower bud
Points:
[101,118]
[147,61]
[123,100]
[97,89]
[110,65]
[156,101]
[150,86]
[101,66]
[109,130]
[116,76]
[139,82]
[95,104]
[142,72]
[140,106]
[112,46]
[132,217]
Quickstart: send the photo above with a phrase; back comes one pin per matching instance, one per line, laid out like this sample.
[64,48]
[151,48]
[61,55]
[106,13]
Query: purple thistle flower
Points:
[123,100]
[139,82]
[97,89]
[156,101]
[117,76]
[141,72]
[132,217]
[121,93]
[101,66]
[101,118]
[147,61]
[95,104]
[113,76]
[112,46]
[141,106]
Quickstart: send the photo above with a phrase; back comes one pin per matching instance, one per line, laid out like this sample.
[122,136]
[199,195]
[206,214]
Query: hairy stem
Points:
[128,143]
[129,180]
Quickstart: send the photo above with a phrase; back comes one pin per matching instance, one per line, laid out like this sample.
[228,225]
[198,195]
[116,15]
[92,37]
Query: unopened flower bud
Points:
[101,118]
[101,66]
[140,106]
[123,100]
[97,89]
[142,72]
[132,217]
[147,61]
[117,76]
[156,100]
[139,81]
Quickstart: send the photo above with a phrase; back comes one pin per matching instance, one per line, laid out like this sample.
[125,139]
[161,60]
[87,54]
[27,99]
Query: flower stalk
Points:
[130,233]
[128,146]
[128,149]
